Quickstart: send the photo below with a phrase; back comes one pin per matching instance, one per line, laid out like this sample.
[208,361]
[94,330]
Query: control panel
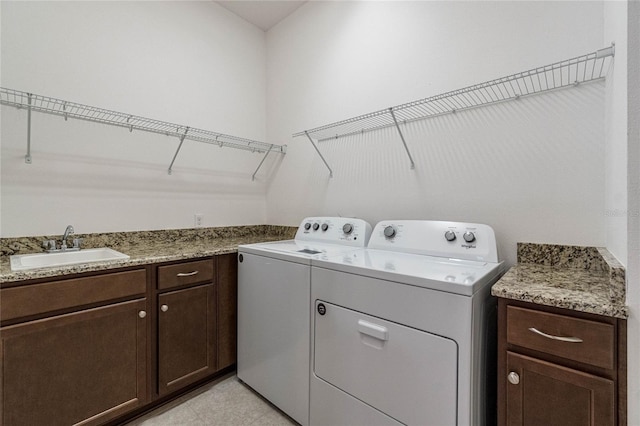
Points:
[339,230]
[458,240]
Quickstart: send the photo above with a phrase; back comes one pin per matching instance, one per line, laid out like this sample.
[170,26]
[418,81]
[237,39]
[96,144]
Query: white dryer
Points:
[274,308]
[403,332]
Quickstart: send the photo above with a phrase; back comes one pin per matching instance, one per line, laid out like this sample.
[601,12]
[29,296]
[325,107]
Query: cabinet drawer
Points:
[185,273]
[29,300]
[585,341]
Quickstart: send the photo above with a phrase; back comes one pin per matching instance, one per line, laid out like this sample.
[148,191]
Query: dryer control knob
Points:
[325,227]
[347,228]
[316,226]
[469,236]
[389,231]
[307,226]
[450,235]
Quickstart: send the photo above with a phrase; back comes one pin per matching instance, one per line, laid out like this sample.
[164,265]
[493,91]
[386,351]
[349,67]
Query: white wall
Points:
[191,63]
[633,208]
[615,30]
[533,169]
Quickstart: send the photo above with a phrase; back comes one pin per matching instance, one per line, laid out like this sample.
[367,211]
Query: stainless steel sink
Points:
[47,260]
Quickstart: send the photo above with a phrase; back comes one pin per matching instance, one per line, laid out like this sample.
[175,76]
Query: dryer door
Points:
[408,374]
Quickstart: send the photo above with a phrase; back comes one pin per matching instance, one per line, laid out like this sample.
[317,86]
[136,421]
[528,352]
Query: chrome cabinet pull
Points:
[513,378]
[187,274]
[164,308]
[560,338]
[142,314]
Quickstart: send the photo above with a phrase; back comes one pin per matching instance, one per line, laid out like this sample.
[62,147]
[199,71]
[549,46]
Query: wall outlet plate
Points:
[198,220]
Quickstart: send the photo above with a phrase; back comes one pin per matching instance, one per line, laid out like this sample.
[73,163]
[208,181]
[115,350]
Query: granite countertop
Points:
[586,279]
[143,248]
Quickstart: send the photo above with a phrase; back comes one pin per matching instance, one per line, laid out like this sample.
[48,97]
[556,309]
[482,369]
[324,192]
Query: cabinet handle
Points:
[187,274]
[560,338]
[142,314]
[164,308]
[513,378]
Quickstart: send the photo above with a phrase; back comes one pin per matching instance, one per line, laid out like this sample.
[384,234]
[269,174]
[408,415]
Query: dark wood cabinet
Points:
[98,348]
[227,301]
[559,367]
[543,393]
[186,337]
[81,367]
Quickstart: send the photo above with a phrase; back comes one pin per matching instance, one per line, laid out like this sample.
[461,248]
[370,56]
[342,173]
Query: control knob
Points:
[307,226]
[450,235]
[389,232]
[469,236]
[324,227]
[347,228]
[316,226]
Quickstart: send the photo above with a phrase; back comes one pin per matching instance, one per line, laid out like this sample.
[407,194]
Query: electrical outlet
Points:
[197,219]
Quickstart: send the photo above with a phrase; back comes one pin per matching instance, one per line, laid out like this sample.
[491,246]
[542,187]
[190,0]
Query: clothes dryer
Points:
[403,331]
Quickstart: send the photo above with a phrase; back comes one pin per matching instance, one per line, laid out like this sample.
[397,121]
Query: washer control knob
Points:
[469,236]
[325,227]
[316,226]
[389,231]
[450,235]
[307,226]
[347,228]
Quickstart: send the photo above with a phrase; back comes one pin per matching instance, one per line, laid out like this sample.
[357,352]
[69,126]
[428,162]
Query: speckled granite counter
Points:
[586,279]
[143,247]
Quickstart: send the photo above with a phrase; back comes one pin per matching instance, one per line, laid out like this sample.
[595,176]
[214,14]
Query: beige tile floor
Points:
[226,402]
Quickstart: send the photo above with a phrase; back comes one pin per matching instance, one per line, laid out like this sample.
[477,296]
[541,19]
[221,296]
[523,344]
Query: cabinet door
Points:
[85,367]
[186,337]
[550,395]
[227,301]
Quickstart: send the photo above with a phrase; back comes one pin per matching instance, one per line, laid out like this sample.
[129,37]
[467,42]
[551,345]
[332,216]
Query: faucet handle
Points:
[77,242]
[49,244]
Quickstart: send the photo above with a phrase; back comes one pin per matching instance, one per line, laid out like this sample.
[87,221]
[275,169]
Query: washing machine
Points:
[274,308]
[403,332]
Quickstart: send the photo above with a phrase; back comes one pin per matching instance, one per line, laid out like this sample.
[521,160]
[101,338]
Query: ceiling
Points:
[262,13]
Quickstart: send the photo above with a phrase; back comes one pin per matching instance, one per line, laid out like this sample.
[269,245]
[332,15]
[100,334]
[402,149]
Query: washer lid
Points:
[457,276]
[296,251]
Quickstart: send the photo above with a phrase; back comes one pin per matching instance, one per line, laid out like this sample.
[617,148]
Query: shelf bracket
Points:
[319,153]
[184,135]
[406,148]
[27,158]
[253,176]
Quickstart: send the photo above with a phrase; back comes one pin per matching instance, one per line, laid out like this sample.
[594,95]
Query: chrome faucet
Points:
[50,245]
[68,231]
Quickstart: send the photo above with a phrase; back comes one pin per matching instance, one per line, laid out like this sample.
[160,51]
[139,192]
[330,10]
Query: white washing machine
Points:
[404,331]
[274,308]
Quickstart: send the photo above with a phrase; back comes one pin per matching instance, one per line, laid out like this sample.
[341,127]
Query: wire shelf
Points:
[570,72]
[66,109]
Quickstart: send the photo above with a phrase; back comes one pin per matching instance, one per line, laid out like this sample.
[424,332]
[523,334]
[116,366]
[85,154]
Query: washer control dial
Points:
[324,227]
[389,231]
[307,226]
[450,235]
[469,236]
[347,228]
[316,226]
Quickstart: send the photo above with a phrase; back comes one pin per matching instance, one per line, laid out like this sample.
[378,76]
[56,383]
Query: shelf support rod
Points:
[184,135]
[406,148]
[27,158]
[319,153]
[253,176]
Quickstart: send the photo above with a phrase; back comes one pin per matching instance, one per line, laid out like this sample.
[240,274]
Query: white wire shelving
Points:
[48,105]
[570,72]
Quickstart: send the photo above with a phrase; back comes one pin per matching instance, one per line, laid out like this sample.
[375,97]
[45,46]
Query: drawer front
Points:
[29,300]
[185,273]
[585,341]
